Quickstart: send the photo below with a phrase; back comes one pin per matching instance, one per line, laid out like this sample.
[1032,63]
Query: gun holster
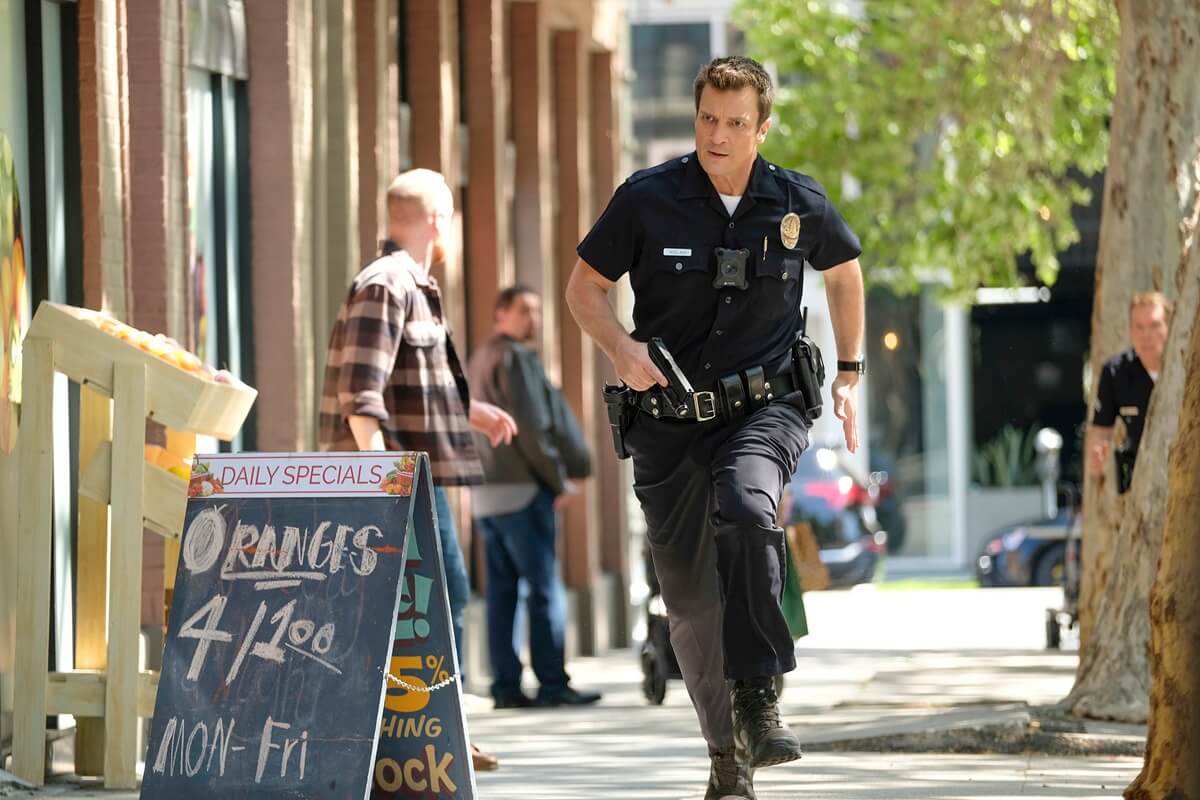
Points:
[619,400]
[809,369]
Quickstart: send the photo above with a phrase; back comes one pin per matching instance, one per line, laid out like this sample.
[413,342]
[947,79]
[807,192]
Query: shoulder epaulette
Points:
[658,169]
[800,179]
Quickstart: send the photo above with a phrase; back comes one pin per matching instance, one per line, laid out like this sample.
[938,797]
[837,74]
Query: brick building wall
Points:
[521,119]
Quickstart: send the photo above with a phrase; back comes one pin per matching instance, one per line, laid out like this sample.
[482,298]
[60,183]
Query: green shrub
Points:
[1008,459]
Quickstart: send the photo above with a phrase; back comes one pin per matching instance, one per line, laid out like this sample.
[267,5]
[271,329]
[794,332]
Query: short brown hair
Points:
[737,72]
[509,295]
[1151,299]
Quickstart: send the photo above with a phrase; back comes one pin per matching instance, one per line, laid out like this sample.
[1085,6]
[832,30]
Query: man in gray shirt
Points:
[526,482]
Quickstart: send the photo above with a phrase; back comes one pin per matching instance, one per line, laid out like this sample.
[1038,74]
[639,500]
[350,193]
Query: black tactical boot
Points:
[729,778]
[756,724]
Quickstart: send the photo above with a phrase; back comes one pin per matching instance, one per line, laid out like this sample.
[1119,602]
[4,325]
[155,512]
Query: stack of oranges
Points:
[159,346]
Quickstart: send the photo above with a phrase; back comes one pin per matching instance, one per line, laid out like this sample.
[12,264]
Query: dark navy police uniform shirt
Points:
[1124,392]
[663,225]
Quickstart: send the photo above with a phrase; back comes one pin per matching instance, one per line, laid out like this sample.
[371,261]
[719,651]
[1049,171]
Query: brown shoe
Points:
[483,762]
[730,778]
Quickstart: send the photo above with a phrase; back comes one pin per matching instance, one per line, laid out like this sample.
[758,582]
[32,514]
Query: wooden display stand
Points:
[141,494]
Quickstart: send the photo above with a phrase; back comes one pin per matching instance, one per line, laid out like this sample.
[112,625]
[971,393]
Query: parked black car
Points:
[830,494]
[1031,553]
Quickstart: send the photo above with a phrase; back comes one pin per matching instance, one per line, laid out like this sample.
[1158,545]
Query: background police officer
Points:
[1126,381]
[715,244]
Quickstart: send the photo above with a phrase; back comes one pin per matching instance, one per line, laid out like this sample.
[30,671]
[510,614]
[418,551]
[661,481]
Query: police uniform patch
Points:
[789,230]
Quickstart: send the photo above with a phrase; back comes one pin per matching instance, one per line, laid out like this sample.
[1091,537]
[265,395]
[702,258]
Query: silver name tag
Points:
[677,251]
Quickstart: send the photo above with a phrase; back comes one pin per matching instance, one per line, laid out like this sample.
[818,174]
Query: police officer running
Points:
[721,388]
[1126,383]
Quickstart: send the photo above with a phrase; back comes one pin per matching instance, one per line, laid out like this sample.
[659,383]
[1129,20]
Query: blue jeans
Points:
[458,586]
[520,546]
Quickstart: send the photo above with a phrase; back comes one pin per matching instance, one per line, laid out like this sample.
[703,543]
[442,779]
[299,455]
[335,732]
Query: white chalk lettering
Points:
[324,639]
[247,641]
[257,555]
[205,636]
[271,651]
[265,746]
[245,539]
[316,544]
[339,547]
[221,737]
[170,747]
[200,728]
[204,540]
[288,746]
[178,753]
[264,548]
[367,558]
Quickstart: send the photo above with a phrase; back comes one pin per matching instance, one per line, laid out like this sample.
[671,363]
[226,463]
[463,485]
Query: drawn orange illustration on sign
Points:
[203,482]
[400,480]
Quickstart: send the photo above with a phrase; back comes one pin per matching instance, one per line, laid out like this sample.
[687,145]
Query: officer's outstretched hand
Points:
[634,367]
[845,398]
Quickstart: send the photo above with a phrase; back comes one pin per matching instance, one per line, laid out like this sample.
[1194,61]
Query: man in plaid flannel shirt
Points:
[393,380]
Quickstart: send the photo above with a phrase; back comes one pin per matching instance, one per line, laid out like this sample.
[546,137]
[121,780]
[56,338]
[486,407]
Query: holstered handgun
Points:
[809,369]
[618,399]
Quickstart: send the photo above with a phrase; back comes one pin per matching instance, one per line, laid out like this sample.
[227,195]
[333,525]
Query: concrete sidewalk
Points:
[655,752]
[879,666]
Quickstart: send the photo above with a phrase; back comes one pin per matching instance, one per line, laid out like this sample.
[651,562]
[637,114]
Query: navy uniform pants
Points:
[709,492]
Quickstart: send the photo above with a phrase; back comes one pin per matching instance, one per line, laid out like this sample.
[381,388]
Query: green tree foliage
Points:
[968,123]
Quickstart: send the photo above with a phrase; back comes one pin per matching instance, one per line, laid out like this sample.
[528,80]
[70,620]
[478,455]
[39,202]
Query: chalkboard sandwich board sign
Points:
[282,625]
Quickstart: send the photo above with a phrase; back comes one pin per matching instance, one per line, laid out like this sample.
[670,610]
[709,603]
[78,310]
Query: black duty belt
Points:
[733,397]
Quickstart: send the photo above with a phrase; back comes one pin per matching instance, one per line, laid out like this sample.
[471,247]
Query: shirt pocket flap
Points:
[424,333]
[679,264]
[784,267]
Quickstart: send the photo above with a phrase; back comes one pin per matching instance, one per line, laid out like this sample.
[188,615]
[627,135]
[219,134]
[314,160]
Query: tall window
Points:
[218,194]
[666,58]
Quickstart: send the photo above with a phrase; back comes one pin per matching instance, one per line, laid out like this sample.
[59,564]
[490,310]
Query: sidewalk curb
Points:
[1015,737]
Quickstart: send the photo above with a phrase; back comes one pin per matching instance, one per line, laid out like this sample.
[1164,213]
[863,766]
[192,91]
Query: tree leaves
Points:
[967,128]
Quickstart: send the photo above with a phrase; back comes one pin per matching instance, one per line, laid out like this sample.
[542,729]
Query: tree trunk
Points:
[1149,215]
[1172,768]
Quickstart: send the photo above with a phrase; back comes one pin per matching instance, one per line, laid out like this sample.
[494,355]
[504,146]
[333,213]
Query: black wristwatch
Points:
[857,367]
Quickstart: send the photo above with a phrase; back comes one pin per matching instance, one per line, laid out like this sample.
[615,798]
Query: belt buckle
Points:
[705,404]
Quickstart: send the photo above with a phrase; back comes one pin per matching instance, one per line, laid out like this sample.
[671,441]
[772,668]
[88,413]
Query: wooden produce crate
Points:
[179,398]
[145,377]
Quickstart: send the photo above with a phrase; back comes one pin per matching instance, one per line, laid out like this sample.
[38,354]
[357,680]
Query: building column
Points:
[486,231]
[104,179]
[533,189]
[103,134]
[281,146]
[376,26]
[612,480]
[432,65]
[334,167]
[581,552]
[157,200]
